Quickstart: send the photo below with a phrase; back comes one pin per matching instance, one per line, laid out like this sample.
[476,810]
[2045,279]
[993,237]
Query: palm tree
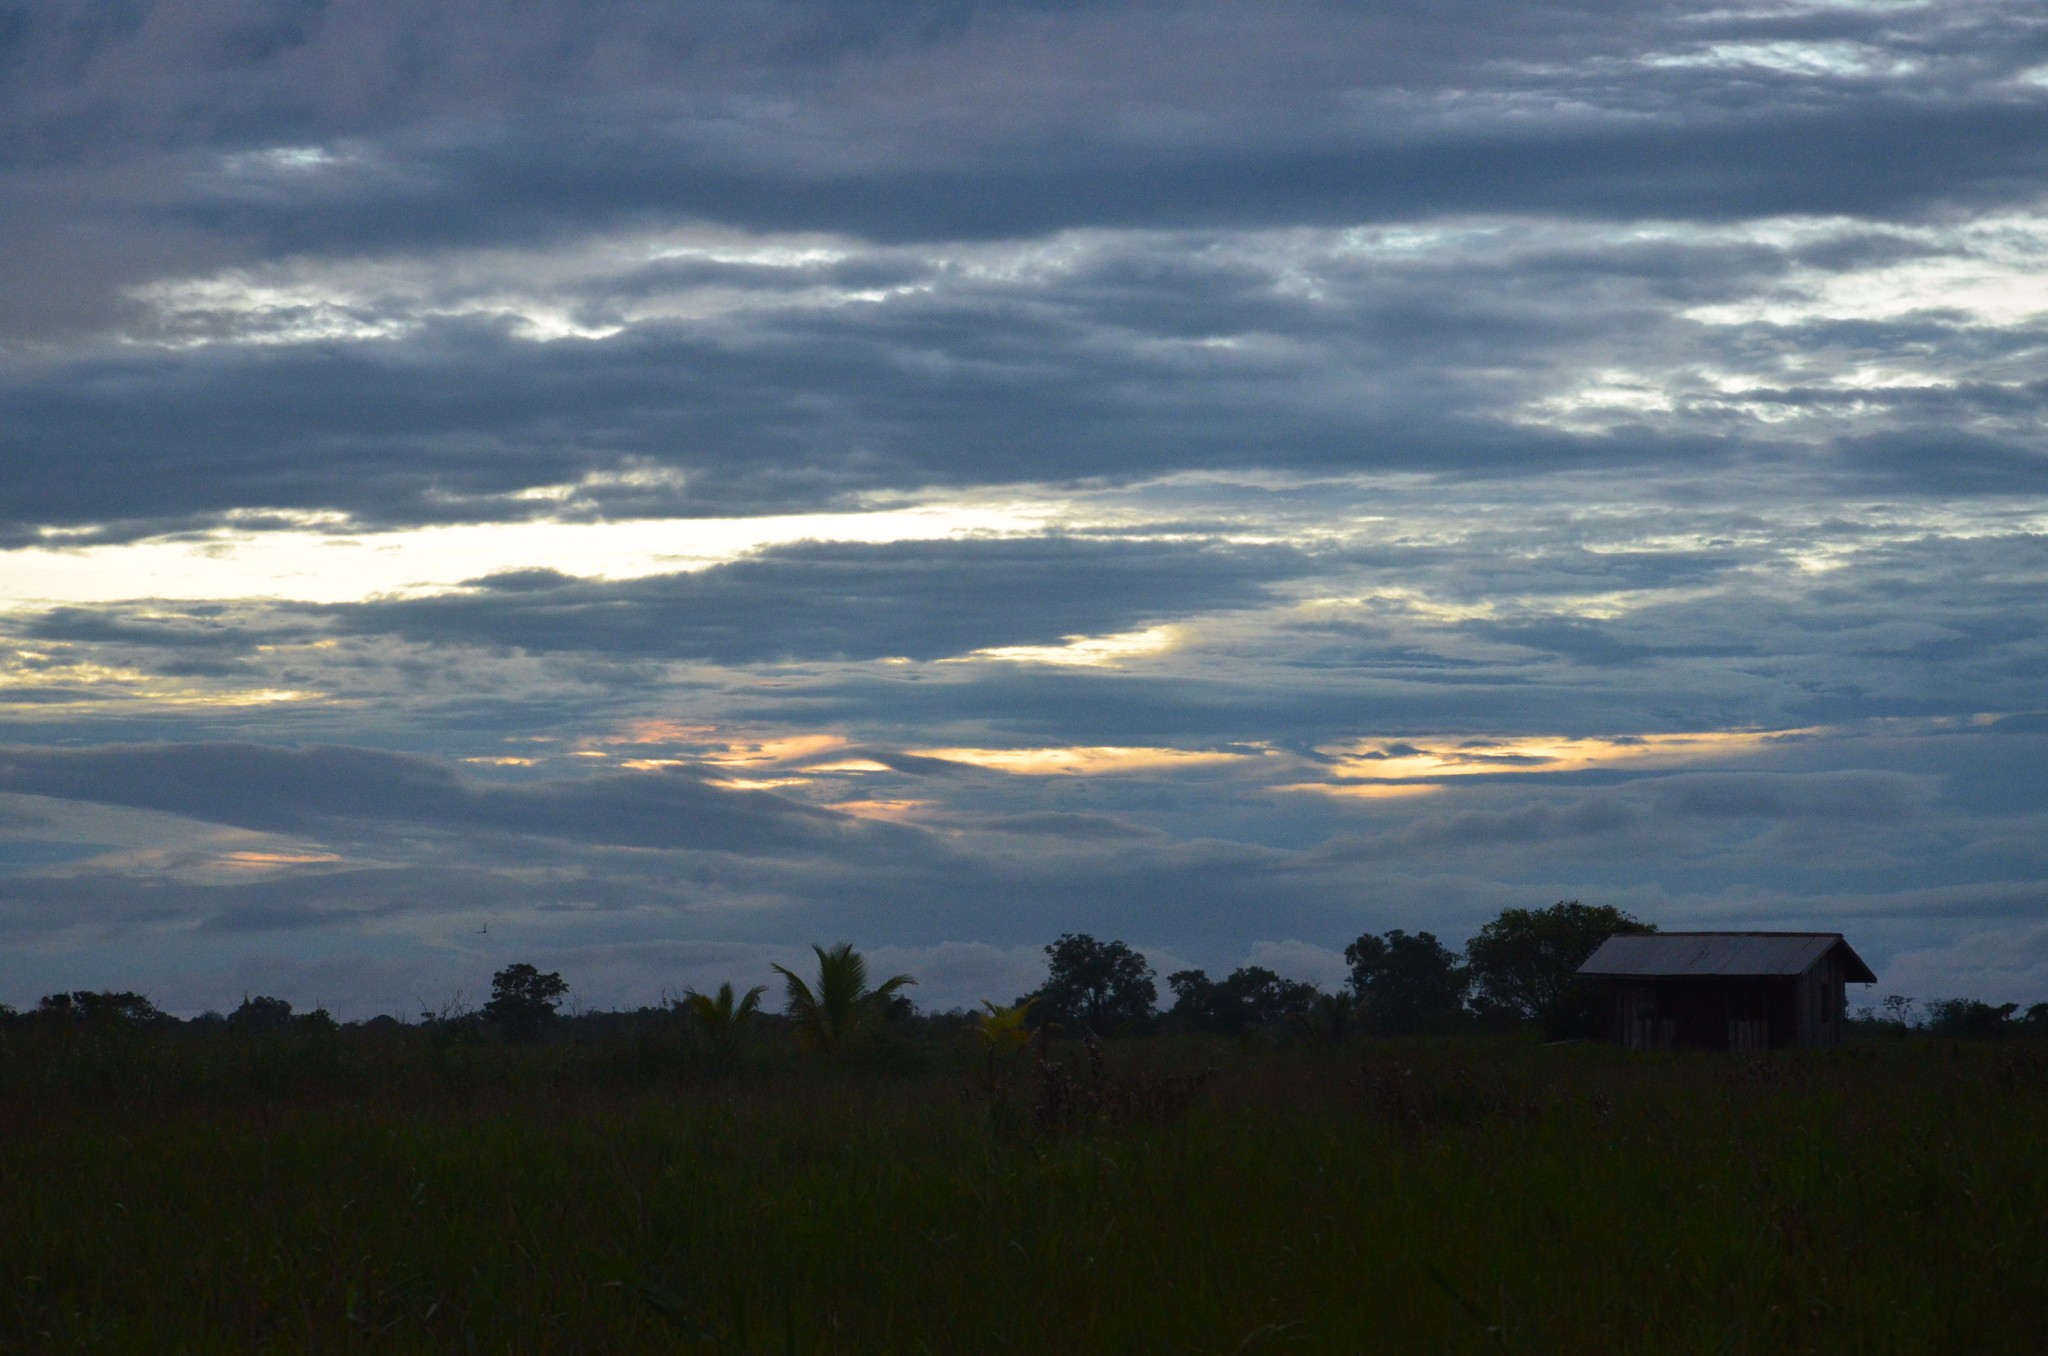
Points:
[842,1008]
[720,1017]
[1002,1033]
[1002,1029]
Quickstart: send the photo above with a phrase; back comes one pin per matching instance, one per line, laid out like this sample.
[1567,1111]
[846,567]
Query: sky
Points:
[642,488]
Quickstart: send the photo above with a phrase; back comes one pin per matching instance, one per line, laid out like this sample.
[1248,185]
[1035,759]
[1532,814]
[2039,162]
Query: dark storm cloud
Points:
[1066,826]
[194,628]
[278,789]
[369,432]
[999,120]
[1580,642]
[1069,380]
[1870,155]
[1946,459]
[1864,797]
[1727,833]
[233,134]
[918,600]
[1036,706]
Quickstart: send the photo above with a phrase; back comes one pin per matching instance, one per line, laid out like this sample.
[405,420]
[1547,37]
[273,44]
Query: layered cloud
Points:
[679,483]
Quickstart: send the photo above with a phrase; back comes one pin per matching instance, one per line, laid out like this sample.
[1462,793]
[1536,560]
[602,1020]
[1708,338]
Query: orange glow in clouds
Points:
[264,861]
[1084,762]
[1400,760]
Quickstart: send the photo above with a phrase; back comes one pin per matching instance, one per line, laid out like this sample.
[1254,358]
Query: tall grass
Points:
[404,1195]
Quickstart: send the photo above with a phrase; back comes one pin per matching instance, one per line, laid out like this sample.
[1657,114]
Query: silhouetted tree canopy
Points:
[1525,965]
[1247,997]
[1100,986]
[1407,984]
[104,1007]
[261,1014]
[523,1000]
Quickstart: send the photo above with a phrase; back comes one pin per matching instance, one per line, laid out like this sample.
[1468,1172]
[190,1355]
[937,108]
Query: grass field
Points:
[408,1193]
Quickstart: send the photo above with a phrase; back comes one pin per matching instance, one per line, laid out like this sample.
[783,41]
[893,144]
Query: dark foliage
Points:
[1329,1019]
[1247,998]
[1086,1093]
[99,1009]
[1101,987]
[1525,964]
[1425,1099]
[1970,1018]
[420,1193]
[1407,985]
[261,1014]
[523,1001]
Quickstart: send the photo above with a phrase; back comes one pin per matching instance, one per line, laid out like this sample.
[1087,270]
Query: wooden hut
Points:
[1728,990]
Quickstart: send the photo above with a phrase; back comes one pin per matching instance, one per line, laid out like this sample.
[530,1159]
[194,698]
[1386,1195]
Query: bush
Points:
[1966,1017]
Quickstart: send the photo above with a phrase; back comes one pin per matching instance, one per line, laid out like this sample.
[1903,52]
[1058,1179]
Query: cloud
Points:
[279,790]
[1319,965]
[1860,797]
[916,600]
[1025,118]
[1065,825]
[1337,385]
[784,262]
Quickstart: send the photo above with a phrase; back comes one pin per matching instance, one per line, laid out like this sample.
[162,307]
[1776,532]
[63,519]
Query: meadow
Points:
[408,1190]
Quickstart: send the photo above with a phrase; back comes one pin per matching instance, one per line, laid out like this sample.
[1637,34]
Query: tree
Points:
[261,1014]
[1525,965]
[842,1009]
[105,1008]
[721,1018]
[1250,996]
[1405,984]
[523,1000]
[1100,986]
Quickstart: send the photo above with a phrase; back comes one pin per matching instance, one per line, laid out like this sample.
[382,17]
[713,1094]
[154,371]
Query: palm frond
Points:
[804,1007]
[842,1007]
[721,1016]
[1003,1029]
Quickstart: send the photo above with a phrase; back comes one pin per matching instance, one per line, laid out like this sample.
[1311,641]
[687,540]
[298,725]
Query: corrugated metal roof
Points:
[1722,953]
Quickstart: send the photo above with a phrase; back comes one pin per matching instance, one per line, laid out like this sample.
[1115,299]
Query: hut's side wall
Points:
[1823,1000]
[1635,1014]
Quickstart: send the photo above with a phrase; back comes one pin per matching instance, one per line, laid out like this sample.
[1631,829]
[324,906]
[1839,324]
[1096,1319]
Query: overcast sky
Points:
[668,484]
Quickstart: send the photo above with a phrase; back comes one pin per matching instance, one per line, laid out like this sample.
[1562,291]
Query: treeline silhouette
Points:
[1517,973]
